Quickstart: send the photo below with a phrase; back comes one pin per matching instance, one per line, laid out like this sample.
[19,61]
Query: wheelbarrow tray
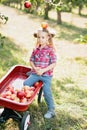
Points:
[15,77]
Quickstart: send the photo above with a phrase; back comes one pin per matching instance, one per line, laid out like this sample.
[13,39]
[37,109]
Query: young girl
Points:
[43,61]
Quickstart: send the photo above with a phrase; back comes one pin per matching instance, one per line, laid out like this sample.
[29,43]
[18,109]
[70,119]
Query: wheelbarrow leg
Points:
[39,95]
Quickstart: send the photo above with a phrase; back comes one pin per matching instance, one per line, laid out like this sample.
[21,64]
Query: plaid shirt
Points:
[43,58]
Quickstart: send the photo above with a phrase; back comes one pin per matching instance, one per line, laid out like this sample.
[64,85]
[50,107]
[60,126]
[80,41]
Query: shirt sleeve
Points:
[32,57]
[53,57]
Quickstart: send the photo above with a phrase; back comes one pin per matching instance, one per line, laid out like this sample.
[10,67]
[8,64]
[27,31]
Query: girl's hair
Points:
[50,34]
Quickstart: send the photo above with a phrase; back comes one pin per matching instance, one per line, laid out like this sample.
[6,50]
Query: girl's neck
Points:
[42,46]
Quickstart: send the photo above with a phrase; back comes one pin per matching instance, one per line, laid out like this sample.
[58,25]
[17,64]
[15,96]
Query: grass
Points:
[69,85]
[67,31]
[10,55]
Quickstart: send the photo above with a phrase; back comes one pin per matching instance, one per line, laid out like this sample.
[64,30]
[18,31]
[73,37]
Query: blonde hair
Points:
[50,34]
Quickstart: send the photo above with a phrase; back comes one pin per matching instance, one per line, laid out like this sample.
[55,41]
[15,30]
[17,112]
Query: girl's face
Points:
[42,38]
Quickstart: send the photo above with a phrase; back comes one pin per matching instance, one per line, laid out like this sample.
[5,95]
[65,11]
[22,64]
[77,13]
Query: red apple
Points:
[27,4]
[29,94]
[3,95]
[13,96]
[8,97]
[23,100]
[8,93]
[10,88]
[32,88]
[44,25]
[36,84]
[20,94]
[25,88]
[17,99]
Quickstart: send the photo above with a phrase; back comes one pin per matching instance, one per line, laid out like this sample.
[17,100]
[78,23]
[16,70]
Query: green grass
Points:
[10,55]
[67,31]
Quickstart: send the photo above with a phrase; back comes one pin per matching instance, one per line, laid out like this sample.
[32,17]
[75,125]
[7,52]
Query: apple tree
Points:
[36,5]
[59,5]
[80,4]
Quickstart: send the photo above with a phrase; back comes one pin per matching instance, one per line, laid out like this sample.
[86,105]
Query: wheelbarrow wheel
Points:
[25,121]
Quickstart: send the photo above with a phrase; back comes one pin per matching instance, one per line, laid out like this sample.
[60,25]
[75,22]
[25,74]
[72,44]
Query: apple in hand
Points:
[44,25]
[27,4]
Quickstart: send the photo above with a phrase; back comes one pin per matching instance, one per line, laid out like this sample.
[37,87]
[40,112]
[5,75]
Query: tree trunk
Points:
[46,10]
[59,21]
[20,6]
[80,9]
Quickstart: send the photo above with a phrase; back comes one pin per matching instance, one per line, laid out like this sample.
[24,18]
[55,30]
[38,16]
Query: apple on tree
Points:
[27,4]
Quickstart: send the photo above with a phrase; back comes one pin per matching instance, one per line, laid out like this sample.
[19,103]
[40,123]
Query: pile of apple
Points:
[20,96]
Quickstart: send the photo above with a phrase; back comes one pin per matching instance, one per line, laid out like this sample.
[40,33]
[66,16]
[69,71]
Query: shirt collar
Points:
[46,47]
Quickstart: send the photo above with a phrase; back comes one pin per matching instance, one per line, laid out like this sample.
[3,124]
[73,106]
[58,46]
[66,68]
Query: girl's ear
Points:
[35,35]
[52,34]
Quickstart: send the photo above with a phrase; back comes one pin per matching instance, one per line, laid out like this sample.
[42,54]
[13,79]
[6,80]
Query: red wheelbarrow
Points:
[15,77]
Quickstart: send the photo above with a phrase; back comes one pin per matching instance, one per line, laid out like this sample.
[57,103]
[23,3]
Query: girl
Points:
[43,61]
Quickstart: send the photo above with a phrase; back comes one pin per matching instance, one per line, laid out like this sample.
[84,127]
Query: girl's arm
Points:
[32,65]
[40,71]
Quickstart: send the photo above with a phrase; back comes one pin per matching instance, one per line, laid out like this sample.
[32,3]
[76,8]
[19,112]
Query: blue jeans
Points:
[46,87]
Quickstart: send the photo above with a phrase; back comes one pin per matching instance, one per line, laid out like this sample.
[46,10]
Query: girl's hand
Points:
[40,71]
[37,70]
